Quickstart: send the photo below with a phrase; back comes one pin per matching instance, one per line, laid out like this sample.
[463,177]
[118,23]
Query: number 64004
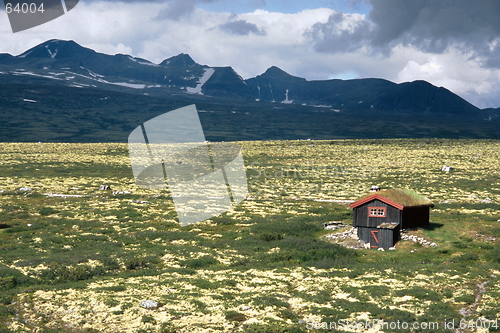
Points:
[24,8]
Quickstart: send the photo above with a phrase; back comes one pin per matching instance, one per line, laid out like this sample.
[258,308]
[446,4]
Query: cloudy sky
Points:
[450,43]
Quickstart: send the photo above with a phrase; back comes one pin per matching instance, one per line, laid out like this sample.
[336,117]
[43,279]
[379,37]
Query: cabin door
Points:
[374,239]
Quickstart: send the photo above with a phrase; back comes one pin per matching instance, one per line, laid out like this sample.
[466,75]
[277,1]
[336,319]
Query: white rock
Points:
[149,304]
[245,308]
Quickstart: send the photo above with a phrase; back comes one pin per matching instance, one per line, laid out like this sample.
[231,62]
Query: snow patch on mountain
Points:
[23,72]
[52,54]
[24,55]
[123,84]
[206,76]
[287,101]
[143,62]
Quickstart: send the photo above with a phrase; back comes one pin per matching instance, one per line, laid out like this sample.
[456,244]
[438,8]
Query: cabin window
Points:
[376,211]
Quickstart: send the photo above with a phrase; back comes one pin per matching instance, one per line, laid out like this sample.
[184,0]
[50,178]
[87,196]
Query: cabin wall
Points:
[386,238]
[415,217]
[361,218]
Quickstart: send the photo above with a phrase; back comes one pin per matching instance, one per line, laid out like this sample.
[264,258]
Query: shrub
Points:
[58,272]
[468,299]
[436,312]
[267,300]
[10,278]
[144,262]
[420,293]
[6,311]
[235,316]
[47,211]
[168,328]
[494,255]
[466,257]
[200,262]
[204,284]
[269,237]
[148,319]
[377,291]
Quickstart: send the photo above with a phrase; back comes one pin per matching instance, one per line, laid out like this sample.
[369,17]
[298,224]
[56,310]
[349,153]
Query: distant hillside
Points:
[361,94]
[56,113]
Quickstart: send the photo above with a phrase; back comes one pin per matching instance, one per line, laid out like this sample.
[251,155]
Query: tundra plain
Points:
[74,258]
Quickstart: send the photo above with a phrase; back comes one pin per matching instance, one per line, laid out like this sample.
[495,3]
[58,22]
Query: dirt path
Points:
[467,311]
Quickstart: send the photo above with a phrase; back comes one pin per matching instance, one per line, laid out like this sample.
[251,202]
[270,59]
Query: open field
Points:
[77,259]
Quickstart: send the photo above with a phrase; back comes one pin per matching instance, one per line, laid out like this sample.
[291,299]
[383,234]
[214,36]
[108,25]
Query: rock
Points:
[245,308]
[121,192]
[149,304]
[104,188]
[25,189]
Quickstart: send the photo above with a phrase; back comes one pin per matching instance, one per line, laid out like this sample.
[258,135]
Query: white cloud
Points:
[461,73]
[291,42]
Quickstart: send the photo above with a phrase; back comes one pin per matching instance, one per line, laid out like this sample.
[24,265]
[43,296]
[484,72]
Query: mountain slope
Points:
[59,91]
[56,113]
[73,64]
[79,65]
[276,85]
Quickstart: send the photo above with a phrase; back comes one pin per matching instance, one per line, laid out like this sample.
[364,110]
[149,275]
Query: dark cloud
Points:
[429,25]
[242,27]
[176,9]
[434,25]
[331,38]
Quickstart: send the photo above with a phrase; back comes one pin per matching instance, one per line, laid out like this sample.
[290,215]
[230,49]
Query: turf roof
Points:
[405,197]
[402,197]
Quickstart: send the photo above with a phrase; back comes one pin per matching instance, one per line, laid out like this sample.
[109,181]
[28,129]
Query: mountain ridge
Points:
[182,74]
[59,91]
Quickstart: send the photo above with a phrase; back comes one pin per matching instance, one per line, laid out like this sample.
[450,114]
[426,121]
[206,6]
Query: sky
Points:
[449,43]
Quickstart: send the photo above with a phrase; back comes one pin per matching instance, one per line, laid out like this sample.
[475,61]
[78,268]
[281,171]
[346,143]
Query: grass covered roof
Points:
[397,197]
[405,197]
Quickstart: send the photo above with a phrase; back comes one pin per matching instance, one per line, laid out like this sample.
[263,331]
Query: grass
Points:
[87,262]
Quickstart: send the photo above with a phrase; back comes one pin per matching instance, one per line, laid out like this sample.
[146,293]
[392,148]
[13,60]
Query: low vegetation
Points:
[84,262]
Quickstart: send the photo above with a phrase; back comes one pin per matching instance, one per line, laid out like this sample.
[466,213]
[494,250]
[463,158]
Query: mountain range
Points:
[57,85]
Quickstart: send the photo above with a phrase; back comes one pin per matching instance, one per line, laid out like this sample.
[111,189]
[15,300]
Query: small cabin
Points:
[380,216]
